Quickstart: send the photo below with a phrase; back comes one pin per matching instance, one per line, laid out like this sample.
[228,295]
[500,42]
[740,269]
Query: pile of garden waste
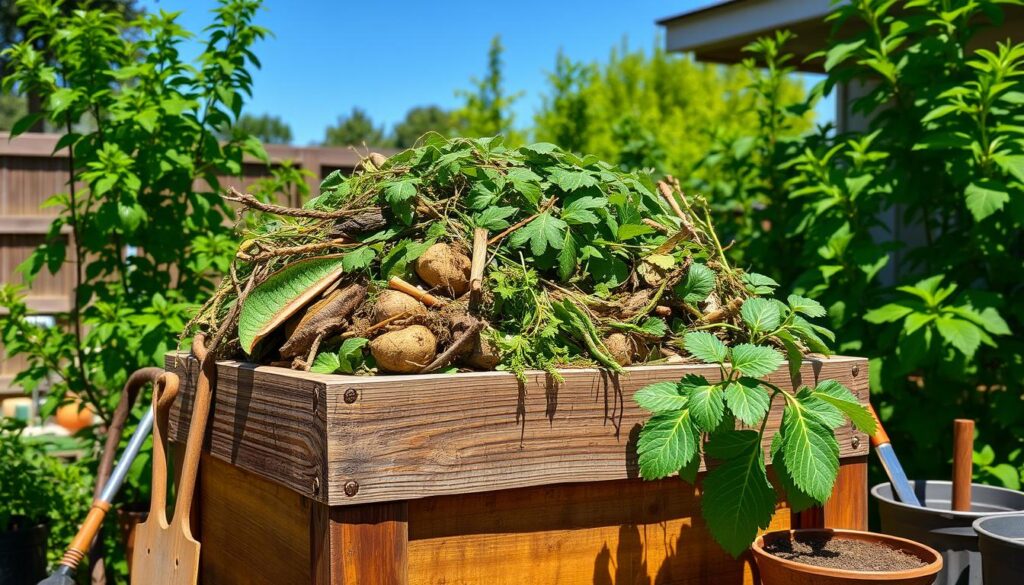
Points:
[468,255]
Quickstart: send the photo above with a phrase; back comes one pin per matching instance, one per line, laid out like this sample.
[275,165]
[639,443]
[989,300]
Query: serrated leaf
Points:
[661,397]
[984,200]
[688,472]
[667,442]
[738,500]
[326,362]
[654,327]
[961,334]
[580,211]
[399,191]
[759,284]
[794,355]
[888,313]
[798,500]
[706,405]
[705,347]
[526,182]
[823,412]
[755,360]
[698,284]
[747,400]
[809,307]
[629,231]
[843,399]
[810,451]
[282,294]
[544,231]
[571,180]
[760,314]
[494,218]
[358,259]
[568,257]
[732,443]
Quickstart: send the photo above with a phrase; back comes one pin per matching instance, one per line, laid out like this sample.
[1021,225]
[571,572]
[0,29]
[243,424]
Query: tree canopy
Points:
[269,129]
[354,129]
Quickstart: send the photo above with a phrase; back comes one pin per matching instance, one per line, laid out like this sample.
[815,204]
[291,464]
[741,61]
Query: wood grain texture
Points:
[437,435]
[402,438]
[622,532]
[268,421]
[848,506]
[256,532]
[370,544]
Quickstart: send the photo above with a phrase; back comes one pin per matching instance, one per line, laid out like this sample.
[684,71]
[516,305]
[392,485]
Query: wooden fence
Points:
[31,172]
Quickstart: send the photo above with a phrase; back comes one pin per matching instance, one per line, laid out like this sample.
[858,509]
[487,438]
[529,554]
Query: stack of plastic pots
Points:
[1001,540]
[938,526]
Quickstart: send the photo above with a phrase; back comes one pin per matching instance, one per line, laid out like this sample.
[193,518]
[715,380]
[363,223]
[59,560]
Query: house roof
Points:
[718,33]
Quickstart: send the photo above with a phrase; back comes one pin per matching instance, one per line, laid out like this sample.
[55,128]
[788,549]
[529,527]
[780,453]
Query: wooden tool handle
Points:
[164,391]
[85,535]
[879,437]
[422,296]
[196,435]
[963,463]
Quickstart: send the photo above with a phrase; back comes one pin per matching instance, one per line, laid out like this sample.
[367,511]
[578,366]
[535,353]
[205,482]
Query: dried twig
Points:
[443,359]
[476,272]
[420,295]
[517,225]
[295,250]
[723,313]
[249,201]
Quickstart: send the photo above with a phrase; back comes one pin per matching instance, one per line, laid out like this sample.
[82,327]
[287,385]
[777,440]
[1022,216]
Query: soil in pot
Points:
[839,553]
[842,557]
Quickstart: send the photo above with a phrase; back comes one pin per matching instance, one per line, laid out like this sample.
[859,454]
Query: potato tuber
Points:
[405,351]
[392,303]
[443,267]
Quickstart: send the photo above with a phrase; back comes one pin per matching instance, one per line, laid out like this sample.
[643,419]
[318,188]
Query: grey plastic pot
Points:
[1001,540]
[938,526]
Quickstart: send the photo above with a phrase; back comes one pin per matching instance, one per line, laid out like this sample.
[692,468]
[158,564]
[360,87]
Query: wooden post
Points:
[963,463]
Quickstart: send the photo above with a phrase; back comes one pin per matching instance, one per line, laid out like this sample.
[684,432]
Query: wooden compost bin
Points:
[463,479]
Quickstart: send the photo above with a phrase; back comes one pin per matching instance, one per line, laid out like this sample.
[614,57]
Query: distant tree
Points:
[269,129]
[565,116]
[12,107]
[420,120]
[487,109]
[651,108]
[355,129]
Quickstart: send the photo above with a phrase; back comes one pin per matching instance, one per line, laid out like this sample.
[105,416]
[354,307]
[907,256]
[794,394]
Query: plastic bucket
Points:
[938,526]
[1001,540]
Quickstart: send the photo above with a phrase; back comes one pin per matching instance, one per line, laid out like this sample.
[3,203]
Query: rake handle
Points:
[963,463]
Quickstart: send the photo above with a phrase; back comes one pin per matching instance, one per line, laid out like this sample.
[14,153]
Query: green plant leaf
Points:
[738,500]
[698,284]
[755,360]
[732,443]
[839,396]
[798,500]
[760,314]
[839,52]
[326,362]
[809,307]
[667,442]
[810,451]
[705,347]
[358,259]
[661,397]
[747,400]
[545,230]
[888,313]
[985,199]
[494,218]
[706,404]
[759,284]
[571,180]
[961,334]
[282,294]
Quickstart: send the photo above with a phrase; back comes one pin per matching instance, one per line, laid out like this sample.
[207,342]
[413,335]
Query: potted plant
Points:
[843,557]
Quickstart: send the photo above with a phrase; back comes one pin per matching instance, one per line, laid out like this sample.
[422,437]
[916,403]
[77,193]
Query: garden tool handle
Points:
[164,393]
[963,463]
[879,437]
[196,435]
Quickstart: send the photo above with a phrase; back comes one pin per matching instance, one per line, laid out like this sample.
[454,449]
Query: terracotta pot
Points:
[75,416]
[778,571]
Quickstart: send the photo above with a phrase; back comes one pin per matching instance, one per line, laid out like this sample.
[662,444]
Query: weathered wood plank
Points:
[401,438]
[602,533]
[437,434]
[267,421]
[370,544]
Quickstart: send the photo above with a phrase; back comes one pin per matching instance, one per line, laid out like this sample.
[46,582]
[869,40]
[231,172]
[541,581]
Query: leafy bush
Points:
[934,302]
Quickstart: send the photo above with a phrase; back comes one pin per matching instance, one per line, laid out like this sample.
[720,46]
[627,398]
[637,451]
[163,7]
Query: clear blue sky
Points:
[326,57]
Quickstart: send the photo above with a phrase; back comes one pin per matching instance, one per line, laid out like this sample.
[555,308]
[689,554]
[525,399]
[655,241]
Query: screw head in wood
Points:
[350,395]
[856,370]
[316,486]
[351,488]
[855,442]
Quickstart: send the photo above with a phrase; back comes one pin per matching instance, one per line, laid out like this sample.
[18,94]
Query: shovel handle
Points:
[963,463]
[196,436]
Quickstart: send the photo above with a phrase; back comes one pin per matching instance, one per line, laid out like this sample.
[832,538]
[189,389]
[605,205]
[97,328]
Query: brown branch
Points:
[420,295]
[476,272]
[249,201]
[723,313]
[517,225]
[655,225]
[443,359]
[291,250]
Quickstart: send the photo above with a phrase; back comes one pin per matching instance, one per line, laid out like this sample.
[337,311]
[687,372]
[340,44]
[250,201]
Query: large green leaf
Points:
[840,397]
[284,292]
[984,199]
[755,360]
[738,499]
[747,400]
[760,314]
[706,405]
[661,397]
[667,442]
[810,451]
[705,347]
